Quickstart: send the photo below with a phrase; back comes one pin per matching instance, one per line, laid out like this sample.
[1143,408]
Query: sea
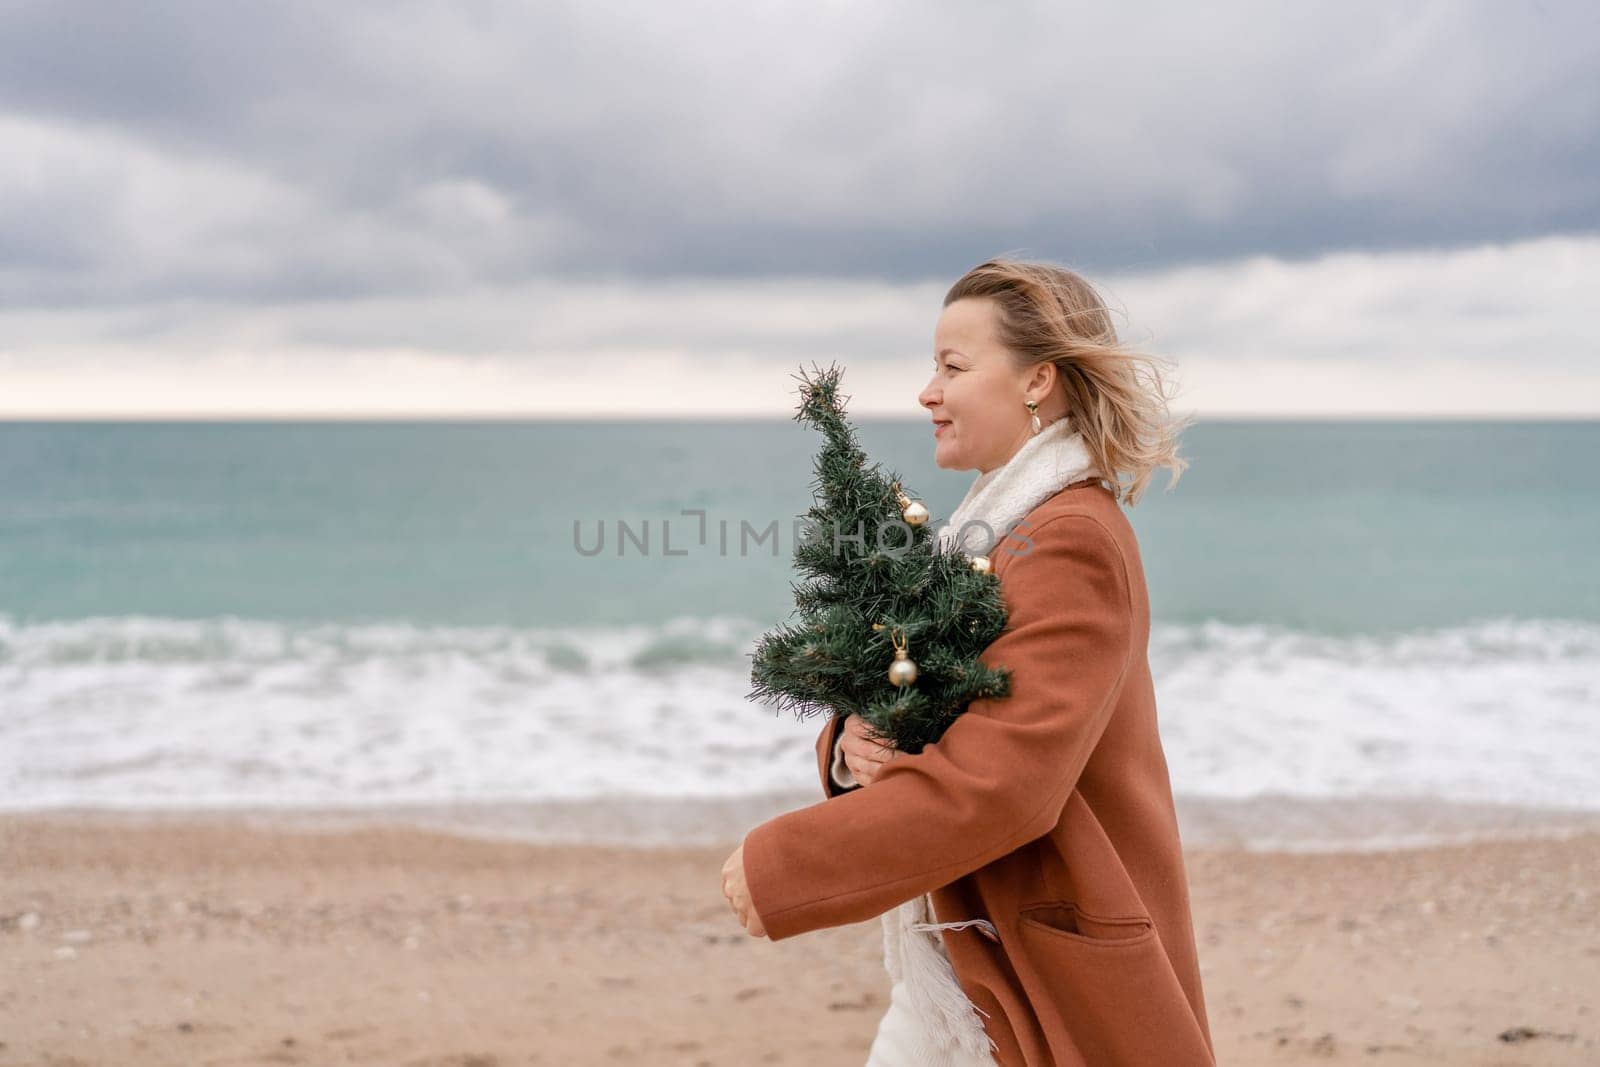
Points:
[1365,634]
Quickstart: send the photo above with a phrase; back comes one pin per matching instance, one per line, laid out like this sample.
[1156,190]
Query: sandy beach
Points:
[132,941]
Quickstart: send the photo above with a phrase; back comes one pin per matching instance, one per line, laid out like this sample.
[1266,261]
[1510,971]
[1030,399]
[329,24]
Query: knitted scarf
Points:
[913,948]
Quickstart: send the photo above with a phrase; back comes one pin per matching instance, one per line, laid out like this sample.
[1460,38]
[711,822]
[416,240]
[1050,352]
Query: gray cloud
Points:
[322,152]
[1492,329]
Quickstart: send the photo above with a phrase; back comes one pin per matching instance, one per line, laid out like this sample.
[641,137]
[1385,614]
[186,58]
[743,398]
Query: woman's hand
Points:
[865,752]
[738,893]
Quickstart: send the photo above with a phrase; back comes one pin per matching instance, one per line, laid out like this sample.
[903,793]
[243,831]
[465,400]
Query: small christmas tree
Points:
[889,626]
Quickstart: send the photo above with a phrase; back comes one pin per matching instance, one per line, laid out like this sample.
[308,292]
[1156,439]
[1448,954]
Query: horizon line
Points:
[724,416]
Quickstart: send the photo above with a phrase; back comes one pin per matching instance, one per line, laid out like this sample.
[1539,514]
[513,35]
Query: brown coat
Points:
[1048,812]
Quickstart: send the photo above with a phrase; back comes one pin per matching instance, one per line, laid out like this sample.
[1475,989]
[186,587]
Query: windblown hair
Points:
[1116,397]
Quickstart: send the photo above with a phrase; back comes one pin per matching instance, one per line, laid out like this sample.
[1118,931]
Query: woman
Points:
[1039,830]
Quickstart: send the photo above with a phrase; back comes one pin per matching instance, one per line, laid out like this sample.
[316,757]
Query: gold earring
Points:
[1033,409]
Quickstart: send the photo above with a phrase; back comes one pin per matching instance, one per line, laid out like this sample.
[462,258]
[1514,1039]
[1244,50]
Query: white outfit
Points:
[930,1022]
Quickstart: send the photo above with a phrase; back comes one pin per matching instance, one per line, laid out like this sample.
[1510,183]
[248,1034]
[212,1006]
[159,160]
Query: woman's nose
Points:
[929,395]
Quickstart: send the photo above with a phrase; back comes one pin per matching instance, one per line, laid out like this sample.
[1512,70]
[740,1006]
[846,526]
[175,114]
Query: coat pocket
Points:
[1109,981]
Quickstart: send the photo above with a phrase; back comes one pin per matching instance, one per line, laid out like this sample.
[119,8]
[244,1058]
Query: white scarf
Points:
[1047,462]
[913,948]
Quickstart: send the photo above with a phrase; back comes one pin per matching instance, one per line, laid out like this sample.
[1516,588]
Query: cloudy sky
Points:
[617,209]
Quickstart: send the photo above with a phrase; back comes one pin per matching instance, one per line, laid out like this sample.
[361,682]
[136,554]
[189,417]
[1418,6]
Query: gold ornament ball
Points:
[981,564]
[915,513]
[902,672]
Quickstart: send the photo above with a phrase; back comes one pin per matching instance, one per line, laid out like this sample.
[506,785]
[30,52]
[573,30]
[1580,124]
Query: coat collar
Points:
[999,499]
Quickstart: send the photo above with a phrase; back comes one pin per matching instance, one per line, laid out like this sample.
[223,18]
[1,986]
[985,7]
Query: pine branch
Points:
[866,567]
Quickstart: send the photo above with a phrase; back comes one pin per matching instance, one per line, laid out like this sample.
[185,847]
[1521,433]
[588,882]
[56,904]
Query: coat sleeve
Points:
[843,776]
[997,778]
[827,756]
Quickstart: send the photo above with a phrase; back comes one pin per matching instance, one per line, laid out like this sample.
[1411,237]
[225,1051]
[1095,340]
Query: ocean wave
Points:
[120,711]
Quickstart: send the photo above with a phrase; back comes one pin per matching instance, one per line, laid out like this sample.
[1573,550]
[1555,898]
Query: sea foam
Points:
[139,712]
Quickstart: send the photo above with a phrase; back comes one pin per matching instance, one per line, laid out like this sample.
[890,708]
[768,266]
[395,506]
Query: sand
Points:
[130,941]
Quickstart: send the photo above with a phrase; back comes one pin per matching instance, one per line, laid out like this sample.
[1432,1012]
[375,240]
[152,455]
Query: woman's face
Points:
[977,395]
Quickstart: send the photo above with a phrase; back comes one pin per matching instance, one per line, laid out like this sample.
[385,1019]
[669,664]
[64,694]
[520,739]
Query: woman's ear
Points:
[1041,381]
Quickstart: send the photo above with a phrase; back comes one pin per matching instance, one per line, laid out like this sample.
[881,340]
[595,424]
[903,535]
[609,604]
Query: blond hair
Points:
[1115,396]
